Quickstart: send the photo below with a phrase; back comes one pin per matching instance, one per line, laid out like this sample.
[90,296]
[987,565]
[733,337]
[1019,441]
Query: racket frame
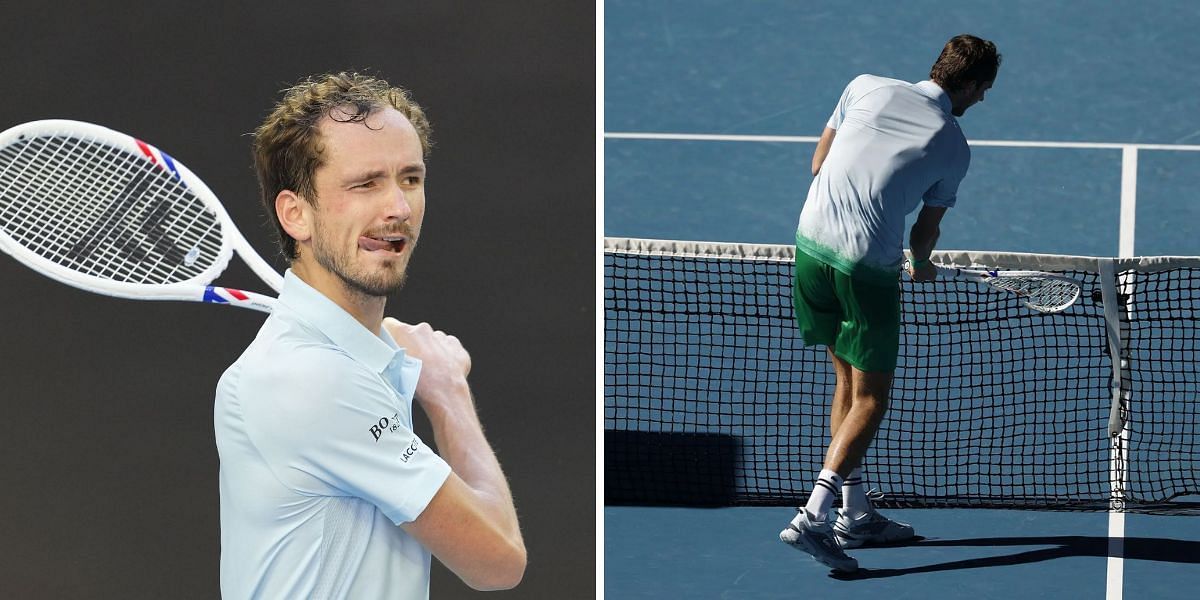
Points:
[195,289]
[987,278]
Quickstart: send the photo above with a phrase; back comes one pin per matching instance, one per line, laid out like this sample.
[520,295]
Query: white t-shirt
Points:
[319,462]
[897,144]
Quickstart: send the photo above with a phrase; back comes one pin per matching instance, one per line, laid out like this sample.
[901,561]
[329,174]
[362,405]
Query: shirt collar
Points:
[377,352]
[936,92]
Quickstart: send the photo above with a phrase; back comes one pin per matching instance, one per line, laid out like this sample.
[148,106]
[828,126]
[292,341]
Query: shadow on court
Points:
[1135,548]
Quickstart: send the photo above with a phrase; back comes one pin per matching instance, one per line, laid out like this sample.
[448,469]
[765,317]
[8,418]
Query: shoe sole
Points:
[850,542]
[802,545]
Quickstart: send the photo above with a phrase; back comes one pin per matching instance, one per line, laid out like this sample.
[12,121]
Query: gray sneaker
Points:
[871,528]
[817,539]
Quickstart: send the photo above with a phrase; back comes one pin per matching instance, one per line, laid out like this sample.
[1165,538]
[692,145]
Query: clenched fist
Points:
[444,362]
[926,272]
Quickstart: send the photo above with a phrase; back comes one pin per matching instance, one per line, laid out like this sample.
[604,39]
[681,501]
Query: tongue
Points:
[372,244]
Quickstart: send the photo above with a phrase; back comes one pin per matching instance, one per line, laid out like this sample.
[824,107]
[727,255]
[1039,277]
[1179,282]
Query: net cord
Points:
[1012,261]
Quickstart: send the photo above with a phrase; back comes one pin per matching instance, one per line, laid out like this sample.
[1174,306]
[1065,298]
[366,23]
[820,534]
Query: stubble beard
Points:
[358,281]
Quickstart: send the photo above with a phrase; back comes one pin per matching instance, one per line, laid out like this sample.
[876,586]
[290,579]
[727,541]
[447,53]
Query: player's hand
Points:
[444,362]
[926,272]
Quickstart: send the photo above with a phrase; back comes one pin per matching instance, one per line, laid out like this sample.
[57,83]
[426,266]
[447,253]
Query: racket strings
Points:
[106,212]
[1039,292]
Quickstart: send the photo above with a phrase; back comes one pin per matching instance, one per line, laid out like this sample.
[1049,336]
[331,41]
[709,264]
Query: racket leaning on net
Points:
[110,214]
[1043,292]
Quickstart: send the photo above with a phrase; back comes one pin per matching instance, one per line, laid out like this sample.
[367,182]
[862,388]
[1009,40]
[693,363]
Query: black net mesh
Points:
[711,399]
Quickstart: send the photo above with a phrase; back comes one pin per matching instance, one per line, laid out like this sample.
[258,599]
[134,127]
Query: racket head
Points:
[1039,291]
[105,212]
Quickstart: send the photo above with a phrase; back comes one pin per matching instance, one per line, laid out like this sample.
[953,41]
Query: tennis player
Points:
[888,147]
[326,491]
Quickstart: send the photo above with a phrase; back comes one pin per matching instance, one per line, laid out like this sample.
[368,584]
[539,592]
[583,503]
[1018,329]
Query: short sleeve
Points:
[943,194]
[839,112]
[328,426]
[849,94]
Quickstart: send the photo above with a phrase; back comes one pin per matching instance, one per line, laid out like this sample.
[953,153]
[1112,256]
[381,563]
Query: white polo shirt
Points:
[319,462]
[897,144]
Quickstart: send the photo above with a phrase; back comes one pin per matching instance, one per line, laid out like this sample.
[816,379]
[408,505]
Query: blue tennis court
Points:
[1087,145]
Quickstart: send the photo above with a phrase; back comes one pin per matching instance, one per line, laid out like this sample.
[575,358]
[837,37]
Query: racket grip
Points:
[239,298]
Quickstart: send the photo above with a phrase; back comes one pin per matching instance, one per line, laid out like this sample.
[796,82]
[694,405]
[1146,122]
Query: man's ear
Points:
[294,214]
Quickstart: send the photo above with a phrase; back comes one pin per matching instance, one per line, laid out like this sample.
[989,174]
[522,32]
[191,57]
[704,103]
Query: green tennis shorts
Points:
[858,319]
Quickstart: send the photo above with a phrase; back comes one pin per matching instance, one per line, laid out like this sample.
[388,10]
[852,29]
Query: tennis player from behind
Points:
[888,147]
[326,491]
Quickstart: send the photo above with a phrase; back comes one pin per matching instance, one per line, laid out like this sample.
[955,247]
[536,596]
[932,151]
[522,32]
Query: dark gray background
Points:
[109,467]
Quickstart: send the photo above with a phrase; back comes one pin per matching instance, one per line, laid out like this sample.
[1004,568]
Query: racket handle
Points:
[239,298]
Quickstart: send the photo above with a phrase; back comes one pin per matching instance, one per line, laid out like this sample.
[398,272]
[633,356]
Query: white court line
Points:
[1116,556]
[1129,166]
[793,139]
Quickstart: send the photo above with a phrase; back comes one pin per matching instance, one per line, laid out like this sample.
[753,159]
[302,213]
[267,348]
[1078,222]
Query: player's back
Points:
[895,136]
[896,144]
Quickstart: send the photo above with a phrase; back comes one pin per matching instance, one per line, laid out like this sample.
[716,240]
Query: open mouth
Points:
[386,244]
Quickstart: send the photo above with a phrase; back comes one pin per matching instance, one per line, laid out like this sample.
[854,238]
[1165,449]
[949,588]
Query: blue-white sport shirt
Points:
[319,462]
[897,145]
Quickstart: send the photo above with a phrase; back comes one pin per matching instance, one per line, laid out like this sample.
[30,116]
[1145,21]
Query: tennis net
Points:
[711,399]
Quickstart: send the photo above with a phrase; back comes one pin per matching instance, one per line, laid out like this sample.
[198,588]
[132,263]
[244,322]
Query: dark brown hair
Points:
[287,149]
[964,59]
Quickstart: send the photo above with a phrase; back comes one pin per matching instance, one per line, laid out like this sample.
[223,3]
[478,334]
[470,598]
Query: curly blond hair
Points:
[287,149]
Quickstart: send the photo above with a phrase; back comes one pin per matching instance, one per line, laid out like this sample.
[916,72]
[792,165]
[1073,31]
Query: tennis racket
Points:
[1043,292]
[110,214]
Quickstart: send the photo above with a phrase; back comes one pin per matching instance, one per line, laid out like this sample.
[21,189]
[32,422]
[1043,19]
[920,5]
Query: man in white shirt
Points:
[888,147]
[326,491]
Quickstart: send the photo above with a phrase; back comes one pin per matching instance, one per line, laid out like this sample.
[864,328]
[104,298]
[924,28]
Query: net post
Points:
[1117,326]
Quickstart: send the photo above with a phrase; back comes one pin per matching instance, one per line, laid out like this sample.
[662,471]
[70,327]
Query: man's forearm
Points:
[922,240]
[462,444]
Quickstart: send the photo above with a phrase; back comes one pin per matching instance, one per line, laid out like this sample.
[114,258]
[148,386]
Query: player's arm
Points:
[822,150]
[471,524]
[922,238]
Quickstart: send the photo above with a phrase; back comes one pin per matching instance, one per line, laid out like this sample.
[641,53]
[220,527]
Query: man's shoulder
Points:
[867,82]
[872,92]
[288,385]
[288,354]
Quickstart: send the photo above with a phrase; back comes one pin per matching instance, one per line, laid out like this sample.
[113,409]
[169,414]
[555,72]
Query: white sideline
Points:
[1116,556]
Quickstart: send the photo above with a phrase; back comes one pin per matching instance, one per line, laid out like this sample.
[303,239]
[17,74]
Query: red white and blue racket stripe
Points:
[230,297]
[223,295]
[160,158]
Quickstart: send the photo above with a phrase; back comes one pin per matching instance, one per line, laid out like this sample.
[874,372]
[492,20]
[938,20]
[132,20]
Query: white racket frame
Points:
[194,289]
[986,277]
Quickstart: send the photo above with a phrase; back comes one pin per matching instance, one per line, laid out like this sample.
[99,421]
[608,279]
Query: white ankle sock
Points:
[822,497]
[854,496]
